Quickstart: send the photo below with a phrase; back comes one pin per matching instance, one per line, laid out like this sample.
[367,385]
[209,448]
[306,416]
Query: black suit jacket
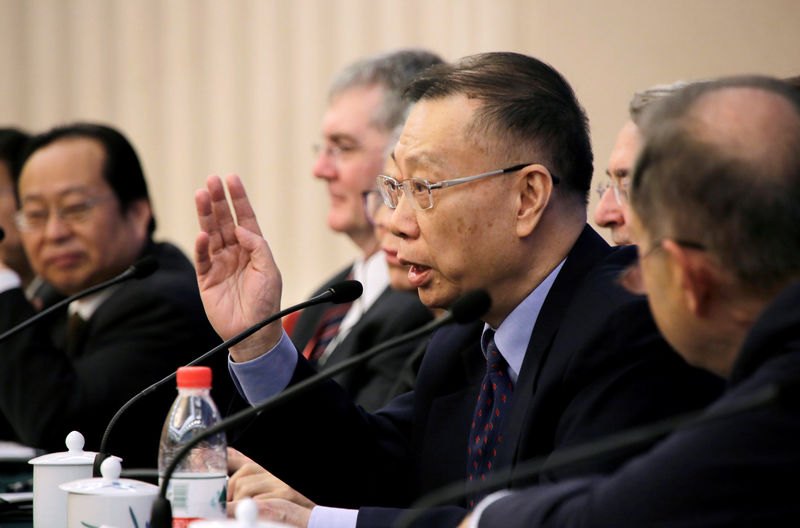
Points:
[393,313]
[142,332]
[595,364]
[726,472]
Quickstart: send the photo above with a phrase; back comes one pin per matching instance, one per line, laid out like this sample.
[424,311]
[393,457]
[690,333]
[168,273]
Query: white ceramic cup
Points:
[110,500]
[51,470]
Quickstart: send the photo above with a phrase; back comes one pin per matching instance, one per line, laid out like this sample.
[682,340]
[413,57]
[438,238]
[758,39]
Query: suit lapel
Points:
[587,251]
[447,389]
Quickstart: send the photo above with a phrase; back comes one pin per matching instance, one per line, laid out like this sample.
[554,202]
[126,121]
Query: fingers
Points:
[236,459]
[261,256]
[208,223]
[252,480]
[241,204]
[201,259]
[222,212]
[279,510]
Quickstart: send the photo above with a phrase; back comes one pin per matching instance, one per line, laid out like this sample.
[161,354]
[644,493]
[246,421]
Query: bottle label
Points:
[197,496]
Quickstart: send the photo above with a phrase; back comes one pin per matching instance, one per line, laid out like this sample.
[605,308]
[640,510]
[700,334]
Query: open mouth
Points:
[419,275]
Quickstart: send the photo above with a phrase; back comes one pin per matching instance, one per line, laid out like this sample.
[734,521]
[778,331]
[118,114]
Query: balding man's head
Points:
[721,168]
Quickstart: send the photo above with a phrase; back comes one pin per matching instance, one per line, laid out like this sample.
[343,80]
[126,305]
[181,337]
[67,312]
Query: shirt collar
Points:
[514,333]
[373,274]
[88,305]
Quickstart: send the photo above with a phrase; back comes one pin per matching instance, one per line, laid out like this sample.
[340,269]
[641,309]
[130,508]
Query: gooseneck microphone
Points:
[632,438]
[139,270]
[341,292]
[466,309]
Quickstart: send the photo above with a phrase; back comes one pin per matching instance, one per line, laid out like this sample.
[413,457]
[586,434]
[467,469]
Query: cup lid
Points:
[73,456]
[246,517]
[110,484]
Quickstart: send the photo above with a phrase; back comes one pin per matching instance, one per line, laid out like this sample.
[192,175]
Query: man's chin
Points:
[69,285]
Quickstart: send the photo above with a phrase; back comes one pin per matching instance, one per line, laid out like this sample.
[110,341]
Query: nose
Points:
[608,212]
[403,222]
[55,228]
[325,165]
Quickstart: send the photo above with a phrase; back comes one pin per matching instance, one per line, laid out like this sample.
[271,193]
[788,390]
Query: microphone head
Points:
[345,291]
[470,306]
[144,267]
[2,234]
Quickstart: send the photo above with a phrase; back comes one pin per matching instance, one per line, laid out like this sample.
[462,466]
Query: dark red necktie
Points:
[493,404]
[327,329]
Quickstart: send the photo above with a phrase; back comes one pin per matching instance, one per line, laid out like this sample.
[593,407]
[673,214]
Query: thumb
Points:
[257,246]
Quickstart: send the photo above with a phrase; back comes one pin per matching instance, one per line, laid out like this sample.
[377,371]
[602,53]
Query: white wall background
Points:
[205,86]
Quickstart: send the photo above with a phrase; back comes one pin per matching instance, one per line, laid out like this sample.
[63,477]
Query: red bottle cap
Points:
[194,378]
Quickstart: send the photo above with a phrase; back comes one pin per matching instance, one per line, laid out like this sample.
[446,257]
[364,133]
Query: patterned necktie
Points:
[493,404]
[327,329]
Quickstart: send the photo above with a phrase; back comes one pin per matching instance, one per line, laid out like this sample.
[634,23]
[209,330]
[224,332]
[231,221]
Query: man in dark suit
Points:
[493,169]
[85,217]
[365,106]
[720,162]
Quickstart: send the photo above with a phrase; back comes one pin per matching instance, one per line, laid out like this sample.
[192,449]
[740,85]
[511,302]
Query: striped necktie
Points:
[327,329]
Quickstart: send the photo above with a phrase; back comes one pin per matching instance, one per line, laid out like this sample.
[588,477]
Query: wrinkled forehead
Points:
[434,136]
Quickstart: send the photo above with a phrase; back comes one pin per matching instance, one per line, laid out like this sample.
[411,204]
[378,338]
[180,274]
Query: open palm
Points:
[239,282]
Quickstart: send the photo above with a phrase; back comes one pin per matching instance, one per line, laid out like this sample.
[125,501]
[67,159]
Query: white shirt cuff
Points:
[9,280]
[475,517]
[325,517]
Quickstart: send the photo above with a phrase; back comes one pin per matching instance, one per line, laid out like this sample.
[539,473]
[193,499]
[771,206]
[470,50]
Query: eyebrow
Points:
[618,173]
[61,194]
[339,137]
[424,159]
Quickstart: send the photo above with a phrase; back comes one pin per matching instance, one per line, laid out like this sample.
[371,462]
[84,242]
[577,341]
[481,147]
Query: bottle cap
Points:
[194,378]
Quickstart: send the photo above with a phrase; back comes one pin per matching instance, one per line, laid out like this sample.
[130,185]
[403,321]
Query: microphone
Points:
[139,270]
[341,292]
[2,234]
[467,308]
[635,437]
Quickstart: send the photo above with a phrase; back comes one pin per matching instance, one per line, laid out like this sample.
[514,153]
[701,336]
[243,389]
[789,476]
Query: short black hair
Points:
[525,104]
[12,148]
[121,168]
[737,197]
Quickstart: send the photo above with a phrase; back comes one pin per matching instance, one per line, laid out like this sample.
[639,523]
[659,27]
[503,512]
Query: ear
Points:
[535,188]
[692,271]
[139,214]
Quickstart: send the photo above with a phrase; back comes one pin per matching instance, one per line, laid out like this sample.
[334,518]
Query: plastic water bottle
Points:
[198,487]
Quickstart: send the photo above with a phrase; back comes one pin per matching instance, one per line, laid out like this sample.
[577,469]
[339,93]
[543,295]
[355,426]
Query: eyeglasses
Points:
[36,218]
[373,201]
[631,276]
[620,187]
[419,191]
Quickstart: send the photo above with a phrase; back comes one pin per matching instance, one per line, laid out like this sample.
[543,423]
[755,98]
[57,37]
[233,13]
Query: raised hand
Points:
[240,284]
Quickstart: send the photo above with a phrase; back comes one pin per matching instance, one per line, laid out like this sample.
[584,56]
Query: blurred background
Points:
[220,86]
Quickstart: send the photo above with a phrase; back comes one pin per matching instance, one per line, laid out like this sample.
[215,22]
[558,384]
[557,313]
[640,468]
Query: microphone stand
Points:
[140,269]
[329,294]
